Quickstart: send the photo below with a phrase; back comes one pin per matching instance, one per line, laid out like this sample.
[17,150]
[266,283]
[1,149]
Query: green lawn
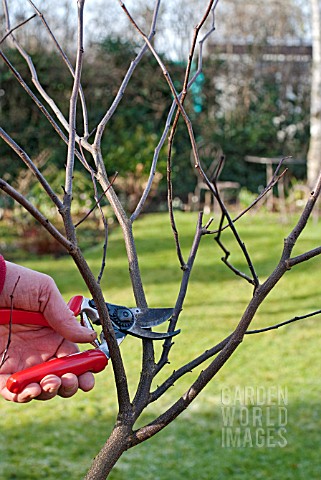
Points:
[57,439]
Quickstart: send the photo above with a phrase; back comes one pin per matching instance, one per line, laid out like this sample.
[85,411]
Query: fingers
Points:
[36,291]
[47,389]
[60,317]
[51,386]
[66,386]
[29,393]
[86,381]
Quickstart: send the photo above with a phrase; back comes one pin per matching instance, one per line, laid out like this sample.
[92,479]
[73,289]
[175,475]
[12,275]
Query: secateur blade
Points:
[138,323]
[152,317]
[139,332]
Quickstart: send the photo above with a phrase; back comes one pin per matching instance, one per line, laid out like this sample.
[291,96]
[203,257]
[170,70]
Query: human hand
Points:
[31,345]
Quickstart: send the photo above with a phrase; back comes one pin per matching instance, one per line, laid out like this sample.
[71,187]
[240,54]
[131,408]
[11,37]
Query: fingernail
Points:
[28,395]
[50,390]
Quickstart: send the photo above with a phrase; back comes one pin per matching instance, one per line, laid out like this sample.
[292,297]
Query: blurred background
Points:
[252,98]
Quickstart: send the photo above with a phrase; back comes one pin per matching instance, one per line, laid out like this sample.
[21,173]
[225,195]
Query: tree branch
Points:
[67,62]
[303,257]
[27,160]
[227,254]
[102,125]
[210,8]
[275,179]
[254,280]
[161,142]
[34,78]
[282,324]
[69,246]
[182,293]
[169,382]
[97,202]
[16,27]
[72,113]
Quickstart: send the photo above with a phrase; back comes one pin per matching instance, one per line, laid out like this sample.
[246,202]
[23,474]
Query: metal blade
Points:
[136,331]
[152,316]
[120,336]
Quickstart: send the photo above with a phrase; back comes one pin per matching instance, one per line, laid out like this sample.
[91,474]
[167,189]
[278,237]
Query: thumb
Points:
[60,317]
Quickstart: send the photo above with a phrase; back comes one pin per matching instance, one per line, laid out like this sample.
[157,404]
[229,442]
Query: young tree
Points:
[84,147]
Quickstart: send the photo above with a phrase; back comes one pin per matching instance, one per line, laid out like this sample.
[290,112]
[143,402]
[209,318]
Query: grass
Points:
[58,439]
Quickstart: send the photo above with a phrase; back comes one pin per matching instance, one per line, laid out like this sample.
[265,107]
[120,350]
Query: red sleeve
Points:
[2,272]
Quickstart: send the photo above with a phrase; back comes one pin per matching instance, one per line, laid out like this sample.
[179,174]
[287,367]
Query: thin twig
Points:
[30,164]
[98,200]
[161,142]
[105,223]
[73,109]
[169,382]
[275,179]
[5,353]
[21,199]
[16,27]
[104,220]
[287,322]
[200,231]
[219,168]
[34,76]
[69,65]
[213,188]
[225,214]
[173,130]
[227,254]
[303,257]
[102,125]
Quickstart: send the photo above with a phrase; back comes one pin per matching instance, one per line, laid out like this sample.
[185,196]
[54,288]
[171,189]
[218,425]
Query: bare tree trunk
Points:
[314,153]
[108,456]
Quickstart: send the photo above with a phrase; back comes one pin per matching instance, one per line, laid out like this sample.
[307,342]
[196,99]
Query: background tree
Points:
[84,152]
[314,158]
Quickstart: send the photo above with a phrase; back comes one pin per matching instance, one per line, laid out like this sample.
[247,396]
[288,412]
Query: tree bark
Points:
[108,456]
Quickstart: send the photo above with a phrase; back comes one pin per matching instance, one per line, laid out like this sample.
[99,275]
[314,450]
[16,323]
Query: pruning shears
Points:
[125,321]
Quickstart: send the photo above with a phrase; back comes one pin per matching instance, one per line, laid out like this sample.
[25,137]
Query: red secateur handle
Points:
[78,363]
